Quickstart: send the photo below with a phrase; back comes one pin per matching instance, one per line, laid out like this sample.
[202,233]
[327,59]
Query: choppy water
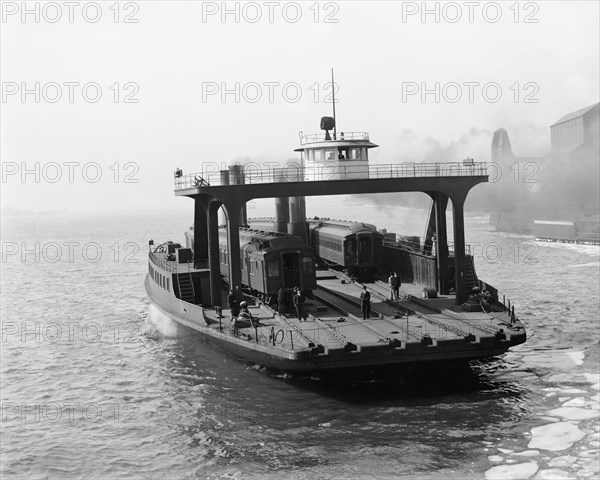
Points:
[95,384]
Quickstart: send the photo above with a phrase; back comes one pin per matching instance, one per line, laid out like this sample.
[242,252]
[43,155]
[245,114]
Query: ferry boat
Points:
[443,313]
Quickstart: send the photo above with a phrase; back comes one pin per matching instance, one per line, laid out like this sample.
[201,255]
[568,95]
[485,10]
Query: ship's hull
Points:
[370,360]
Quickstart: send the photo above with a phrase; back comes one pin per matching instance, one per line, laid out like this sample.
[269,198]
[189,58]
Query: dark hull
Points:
[370,361]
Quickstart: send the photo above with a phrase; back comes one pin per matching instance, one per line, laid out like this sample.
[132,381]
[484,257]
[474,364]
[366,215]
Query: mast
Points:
[333,101]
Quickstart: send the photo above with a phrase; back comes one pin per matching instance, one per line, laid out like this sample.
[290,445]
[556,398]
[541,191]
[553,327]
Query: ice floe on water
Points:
[577,357]
[495,458]
[518,470]
[505,450]
[567,446]
[573,413]
[528,453]
[562,461]
[567,391]
[579,402]
[555,436]
[579,378]
[554,474]
[554,359]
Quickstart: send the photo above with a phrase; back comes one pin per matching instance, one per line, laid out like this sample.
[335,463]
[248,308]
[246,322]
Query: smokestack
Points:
[224,174]
[297,222]
[290,212]
[236,177]
[501,149]
[224,177]
[282,214]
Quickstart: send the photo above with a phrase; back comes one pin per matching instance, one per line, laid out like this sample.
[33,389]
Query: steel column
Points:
[200,232]
[213,253]
[233,247]
[441,203]
[459,248]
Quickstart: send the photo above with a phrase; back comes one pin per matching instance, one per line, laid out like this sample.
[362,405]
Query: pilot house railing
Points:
[342,136]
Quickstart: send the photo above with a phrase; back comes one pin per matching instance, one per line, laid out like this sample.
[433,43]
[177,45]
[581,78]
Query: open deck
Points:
[412,329]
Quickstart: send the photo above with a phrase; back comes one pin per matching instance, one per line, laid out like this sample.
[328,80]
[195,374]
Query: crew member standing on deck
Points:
[365,303]
[299,303]
[397,286]
[234,307]
[393,281]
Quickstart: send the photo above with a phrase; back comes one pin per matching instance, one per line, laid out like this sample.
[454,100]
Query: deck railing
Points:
[160,260]
[340,137]
[294,172]
[418,248]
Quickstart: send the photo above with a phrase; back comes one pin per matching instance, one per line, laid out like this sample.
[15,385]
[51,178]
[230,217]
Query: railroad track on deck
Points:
[421,316]
[356,304]
[448,313]
[409,311]
[283,321]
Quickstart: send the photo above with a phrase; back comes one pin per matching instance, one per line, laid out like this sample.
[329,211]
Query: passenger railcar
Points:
[271,260]
[353,246]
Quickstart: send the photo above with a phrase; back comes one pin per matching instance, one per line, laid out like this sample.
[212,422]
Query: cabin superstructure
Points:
[342,158]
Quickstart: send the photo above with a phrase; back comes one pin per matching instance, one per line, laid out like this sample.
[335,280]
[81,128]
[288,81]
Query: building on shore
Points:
[559,186]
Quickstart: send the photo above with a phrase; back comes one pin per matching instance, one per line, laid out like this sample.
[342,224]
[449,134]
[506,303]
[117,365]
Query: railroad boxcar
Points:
[354,246]
[271,260]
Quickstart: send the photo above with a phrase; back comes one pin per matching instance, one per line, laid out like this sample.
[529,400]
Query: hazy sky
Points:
[168,73]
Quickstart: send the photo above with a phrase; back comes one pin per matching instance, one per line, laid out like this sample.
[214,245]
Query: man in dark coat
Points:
[233,304]
[365,303]
[299,303]
[396,283]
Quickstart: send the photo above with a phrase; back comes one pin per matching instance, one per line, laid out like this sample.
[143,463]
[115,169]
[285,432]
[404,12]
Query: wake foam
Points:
[163,324]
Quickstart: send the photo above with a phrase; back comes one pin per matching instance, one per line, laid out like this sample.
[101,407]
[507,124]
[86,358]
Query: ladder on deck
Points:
[470,275]
[186,288]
